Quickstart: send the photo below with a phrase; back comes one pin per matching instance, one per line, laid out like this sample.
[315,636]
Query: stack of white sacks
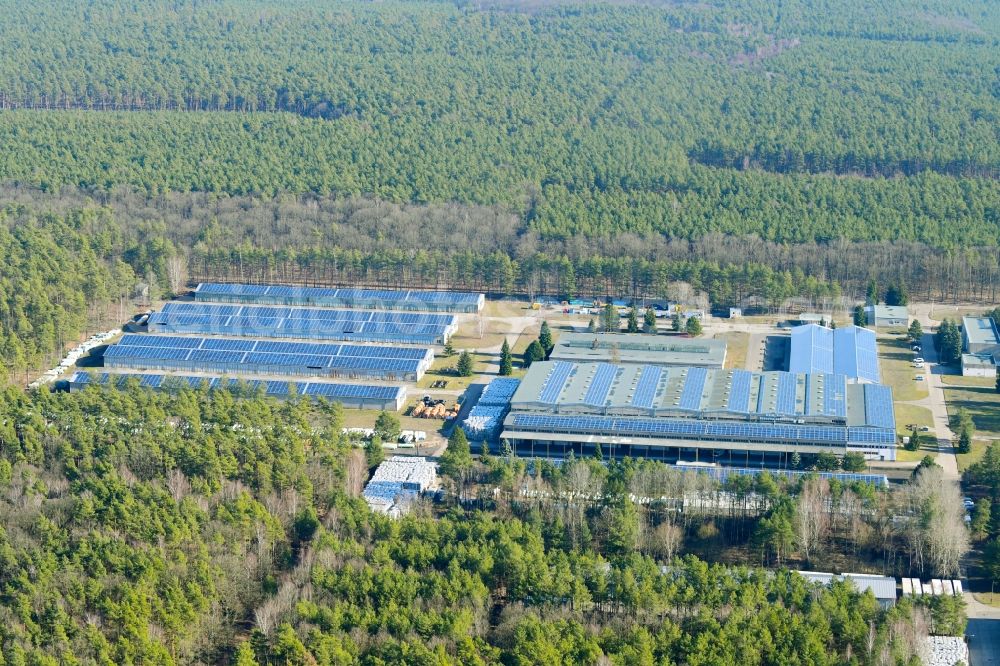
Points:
[397,481]
[74,355]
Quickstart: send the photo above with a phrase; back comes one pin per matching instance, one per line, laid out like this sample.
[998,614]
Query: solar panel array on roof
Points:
[555,381]
[694,386]
[349,394]
[439,301]
[739,391]
[850,351]
[878,406]
[692,429]
[660,390]
[786,393]
[645,390]
[309,323]
[597,393]
[267,357]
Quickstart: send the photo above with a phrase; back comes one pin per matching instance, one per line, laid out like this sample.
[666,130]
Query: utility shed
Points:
[888,316]
[639,349]
[883,587]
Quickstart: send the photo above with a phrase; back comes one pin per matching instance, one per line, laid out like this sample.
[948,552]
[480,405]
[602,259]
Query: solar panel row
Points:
[665,427]
[270,387]
[787,383]
[694,387]
[261,356]
[645,390]
[555,381]
[600,385]
[739,391]
[268,346]
[176,309]
[403,299]
[878,406]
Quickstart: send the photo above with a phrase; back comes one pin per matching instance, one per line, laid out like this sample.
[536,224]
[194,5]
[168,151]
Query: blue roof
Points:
[850,351]
[213,353]
[702,429]
[407,299]
[306,323]
[275,388]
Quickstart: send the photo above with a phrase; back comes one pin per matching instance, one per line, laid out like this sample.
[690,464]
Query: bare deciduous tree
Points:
[812,516]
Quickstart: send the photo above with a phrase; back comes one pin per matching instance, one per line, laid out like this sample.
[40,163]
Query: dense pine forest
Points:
[792,122]
[197,527]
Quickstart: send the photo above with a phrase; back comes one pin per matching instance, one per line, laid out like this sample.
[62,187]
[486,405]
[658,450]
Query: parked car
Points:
[918,359]
[967,501]
[919,378]
[925,429]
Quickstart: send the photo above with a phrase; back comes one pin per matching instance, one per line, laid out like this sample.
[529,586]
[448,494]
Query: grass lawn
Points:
[953,313]
[443,366]
[896,361]
[907,415]
[506,308]
[902,455]
[736,348]
[965,460]
[979,397]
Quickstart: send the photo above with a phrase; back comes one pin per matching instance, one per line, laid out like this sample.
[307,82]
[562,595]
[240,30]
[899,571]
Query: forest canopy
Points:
[790,122]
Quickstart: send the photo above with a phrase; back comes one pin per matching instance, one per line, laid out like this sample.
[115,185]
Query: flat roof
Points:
[849,351]
[638,348]
[890,311]
[978,360]
[980,330]
[694,392]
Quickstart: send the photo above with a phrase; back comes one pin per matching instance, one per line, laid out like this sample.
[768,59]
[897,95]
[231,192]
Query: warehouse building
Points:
[850,351]
[883,588]
[356,396]
[642,349]
[981,344]
[420,328]
[888,316]
[267,357]
[371,299]
[733,417]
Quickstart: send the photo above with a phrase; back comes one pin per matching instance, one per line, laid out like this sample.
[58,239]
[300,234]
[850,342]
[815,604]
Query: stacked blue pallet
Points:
[304,323]
[499,391]
[381,299]
[350,395]
[162,352]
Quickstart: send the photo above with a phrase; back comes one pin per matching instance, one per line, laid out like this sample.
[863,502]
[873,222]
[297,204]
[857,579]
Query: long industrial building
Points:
[850,351]
[357,396]
[419,328]
[267,357]
[371,299]
[696,414]
[642,349]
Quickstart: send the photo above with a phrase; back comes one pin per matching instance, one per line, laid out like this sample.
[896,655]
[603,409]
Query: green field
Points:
[896,362]
[979,396]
